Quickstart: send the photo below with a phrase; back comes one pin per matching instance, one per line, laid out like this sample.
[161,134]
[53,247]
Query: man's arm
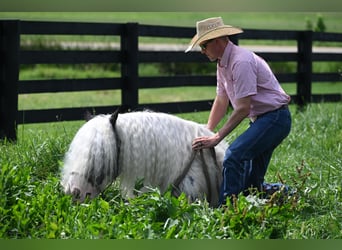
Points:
[217,112]
[240,112]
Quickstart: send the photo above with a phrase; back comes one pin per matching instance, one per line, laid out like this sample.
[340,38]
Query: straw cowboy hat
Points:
[211,28]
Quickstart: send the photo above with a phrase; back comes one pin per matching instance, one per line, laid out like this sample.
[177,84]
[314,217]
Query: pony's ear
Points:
[114,117]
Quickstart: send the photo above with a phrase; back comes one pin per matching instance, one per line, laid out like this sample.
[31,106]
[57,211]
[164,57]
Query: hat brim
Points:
[225,30]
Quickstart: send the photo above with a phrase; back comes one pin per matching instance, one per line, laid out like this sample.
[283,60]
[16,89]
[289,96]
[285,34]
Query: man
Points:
[245,81]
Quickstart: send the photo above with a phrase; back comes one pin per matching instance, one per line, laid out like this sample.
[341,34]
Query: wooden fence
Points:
[129,57]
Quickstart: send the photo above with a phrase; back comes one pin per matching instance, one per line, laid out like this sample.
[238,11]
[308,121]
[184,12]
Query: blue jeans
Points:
[247,158]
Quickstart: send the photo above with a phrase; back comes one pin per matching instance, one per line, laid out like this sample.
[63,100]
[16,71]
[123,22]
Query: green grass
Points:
[33,206]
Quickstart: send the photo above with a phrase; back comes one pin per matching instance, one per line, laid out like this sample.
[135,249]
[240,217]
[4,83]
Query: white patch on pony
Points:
[153,147]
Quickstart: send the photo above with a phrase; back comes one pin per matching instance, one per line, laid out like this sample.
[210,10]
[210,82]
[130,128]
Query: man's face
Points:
[208,48]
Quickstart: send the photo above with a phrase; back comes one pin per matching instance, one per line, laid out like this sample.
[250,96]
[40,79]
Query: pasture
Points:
[32,204]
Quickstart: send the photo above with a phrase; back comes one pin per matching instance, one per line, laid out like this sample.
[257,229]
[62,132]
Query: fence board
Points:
[327,37]
[179,107]
[73,114]
[327,57]
[69,28]
[68,85]
[287,77]
[171,56]
[166,31]
[60,114]
[320,98]
[269,34]
[176,81]
[279,56]
[326,77]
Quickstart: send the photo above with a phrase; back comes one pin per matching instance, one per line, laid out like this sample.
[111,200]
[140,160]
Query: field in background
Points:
[247,20]
[250,20]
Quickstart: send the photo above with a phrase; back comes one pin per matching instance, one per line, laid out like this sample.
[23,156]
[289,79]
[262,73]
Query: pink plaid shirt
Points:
[242,73]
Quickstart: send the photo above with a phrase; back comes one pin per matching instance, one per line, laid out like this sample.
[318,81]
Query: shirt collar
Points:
[223,63]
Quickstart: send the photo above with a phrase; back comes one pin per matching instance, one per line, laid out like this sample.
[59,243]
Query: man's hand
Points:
[205,142]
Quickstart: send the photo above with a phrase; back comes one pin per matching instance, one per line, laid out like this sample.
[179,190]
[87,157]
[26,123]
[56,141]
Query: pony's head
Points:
[91,162]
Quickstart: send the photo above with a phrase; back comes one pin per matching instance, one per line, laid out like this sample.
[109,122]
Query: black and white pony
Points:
[148,146]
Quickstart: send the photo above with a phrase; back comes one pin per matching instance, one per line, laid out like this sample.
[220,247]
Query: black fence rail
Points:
[130,57]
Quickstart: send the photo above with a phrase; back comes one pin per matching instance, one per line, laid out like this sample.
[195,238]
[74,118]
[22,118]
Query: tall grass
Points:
[33,206]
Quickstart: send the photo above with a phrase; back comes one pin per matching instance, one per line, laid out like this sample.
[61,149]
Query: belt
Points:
[254,118]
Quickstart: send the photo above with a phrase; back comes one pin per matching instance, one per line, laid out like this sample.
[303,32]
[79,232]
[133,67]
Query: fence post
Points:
[129,66]
[9,75]
[304,67]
